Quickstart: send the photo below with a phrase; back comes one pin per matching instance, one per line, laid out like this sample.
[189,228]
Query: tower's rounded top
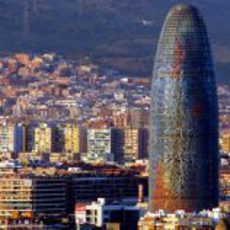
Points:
[183,8]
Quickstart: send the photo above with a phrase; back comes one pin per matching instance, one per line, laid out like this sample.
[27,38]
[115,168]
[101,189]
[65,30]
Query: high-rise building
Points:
[184,158]
[42,139]
[99,145]
[72,138]
[83,140]
[117,144]
[131,139]
[135,143]
[12,138]
[57,138]
[29,137]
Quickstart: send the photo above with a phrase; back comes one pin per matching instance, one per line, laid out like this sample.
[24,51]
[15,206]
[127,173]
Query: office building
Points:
[87,187]
[72,138]
[57,139]
[99,145]
[135,144]
[26,196]
[43,139]
[12,138]
[117,144]
[184,157]
[50,195]
[15,197]
[75,141]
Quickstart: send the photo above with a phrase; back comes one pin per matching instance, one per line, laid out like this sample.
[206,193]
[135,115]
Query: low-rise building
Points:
[28,196]
[205,220]
[89,186]
[102,214]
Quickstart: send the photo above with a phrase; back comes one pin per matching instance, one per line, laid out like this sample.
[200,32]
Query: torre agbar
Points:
[184,157]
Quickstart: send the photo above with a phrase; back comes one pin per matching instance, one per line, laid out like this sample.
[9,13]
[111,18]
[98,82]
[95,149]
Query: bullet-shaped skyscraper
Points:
[184,158]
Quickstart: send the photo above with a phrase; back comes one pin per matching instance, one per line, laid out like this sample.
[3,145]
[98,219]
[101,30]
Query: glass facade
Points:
[184,158]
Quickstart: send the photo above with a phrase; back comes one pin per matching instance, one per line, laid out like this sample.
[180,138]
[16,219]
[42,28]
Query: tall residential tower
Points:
[184,159]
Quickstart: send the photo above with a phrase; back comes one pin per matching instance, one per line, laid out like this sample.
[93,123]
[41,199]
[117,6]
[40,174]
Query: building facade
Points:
[29,196]
[88,187]
[135,144]
[43,139]
[184,158]
[15,197]
[99,145]
[72,138]
[12,138]
[102,214]
[180,220]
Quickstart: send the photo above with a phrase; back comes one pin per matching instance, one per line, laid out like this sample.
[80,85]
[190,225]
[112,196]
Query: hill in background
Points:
[121,34]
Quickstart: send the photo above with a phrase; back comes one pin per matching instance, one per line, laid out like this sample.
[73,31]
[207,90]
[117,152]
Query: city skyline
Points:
[86,144]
